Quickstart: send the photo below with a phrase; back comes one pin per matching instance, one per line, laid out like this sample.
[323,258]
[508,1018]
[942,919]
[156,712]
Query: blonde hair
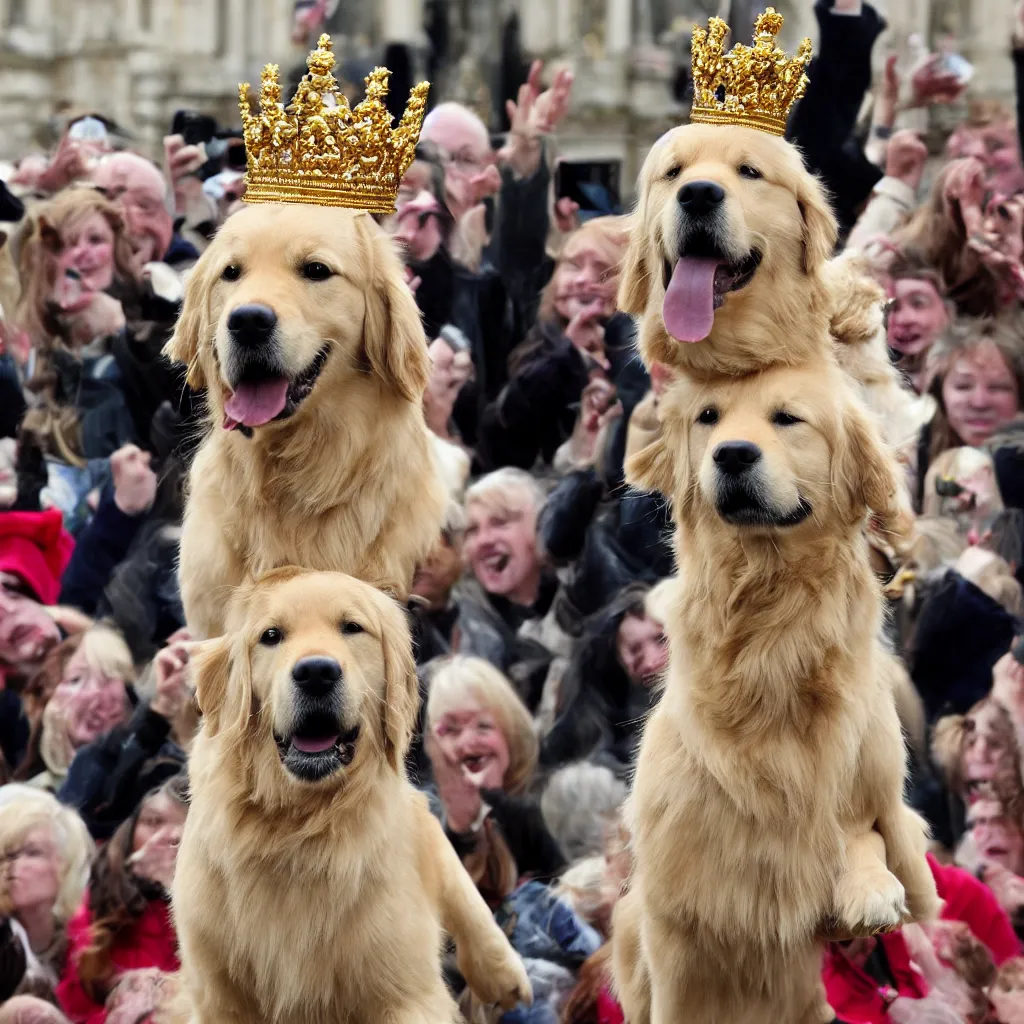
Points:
[461,680]
[105,652]
[24,808]
[608,235]
[507,489]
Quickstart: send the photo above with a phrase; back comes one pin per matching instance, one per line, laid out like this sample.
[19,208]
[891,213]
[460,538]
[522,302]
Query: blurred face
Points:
[139,190]
[27,631]
[996,837]
[642,649]
[463,139]
[417,226]
[89,249]
[980,395]
[161,820]
[440,571]
[92,703]
[983,752]
[501,549]
[33,871]
[470,736]
[586,276]
[415,180]
[917,316]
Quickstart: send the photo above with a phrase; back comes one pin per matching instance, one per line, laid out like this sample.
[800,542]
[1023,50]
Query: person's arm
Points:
[104,543]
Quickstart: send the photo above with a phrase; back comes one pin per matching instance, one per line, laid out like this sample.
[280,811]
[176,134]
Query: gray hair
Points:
[578,805]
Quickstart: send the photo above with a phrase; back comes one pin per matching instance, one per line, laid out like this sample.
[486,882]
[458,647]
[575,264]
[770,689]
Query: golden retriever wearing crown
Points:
[298,323]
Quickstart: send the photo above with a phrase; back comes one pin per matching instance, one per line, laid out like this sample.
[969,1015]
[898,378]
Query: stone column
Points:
[402,21]
[618,27]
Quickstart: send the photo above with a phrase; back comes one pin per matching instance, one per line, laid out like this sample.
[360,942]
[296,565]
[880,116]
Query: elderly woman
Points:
[975,373]
[536,411]
[46,851]
[125,922]
[483,752]
[84,691]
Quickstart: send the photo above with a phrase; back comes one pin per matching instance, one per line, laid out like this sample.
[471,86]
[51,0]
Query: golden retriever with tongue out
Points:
[299,325]
[725,263]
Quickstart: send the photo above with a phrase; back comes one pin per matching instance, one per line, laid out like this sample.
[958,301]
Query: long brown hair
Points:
[39,246]
[962,337]
[118,898]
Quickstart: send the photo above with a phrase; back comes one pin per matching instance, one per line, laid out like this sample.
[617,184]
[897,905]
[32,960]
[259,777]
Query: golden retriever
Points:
[312,882]
[725,259]
[298,323]
[768,802]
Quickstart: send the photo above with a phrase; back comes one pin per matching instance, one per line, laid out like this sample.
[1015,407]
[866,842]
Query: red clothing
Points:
[975,904]
[151,942]
[608,1011]
[855,995]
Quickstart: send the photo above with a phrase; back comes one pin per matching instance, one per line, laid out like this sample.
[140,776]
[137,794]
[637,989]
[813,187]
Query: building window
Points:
[16,13]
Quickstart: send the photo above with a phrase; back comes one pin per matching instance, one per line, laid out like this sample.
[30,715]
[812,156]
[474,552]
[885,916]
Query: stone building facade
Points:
[140,60]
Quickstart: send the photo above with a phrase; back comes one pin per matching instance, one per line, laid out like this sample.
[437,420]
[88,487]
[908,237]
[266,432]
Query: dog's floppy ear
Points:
[393,332]
[634,277]
[865,476]
[402,691]
[195,324]
[223,679]
[651,468]
[211,672]
[820,229]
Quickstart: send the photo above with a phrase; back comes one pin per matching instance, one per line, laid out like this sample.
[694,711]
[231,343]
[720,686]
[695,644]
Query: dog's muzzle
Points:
[319,744]
[739,489]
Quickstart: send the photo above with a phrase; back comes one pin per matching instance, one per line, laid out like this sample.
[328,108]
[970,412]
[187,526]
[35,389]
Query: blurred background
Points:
[139,61]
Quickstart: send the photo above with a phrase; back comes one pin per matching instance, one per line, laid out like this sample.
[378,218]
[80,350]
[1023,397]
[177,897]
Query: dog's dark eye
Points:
[351,628]
[785,419]
[232,272]
[746,171]
[672,173]
[271,637]
[709,417]
[315,271]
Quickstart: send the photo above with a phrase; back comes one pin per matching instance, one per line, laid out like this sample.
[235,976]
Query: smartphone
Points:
[193,127]
[456,339]
[88,129]
[948,488]
[594,185]
[954,64]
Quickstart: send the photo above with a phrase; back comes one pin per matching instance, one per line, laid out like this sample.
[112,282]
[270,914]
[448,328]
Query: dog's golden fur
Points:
[768,802]
[302,902]
[783,314]
[349,482]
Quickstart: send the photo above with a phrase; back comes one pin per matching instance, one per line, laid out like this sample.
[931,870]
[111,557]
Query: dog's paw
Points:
[922,906]
[870,902]
[500,979]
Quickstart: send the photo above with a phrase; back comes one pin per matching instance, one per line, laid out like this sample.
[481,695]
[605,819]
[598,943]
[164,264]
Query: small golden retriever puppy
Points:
[724,265]
[313,883]
[298,323]
[768,803]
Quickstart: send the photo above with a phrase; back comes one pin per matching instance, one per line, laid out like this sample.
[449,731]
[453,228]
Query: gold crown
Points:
[319,150]
[750,85]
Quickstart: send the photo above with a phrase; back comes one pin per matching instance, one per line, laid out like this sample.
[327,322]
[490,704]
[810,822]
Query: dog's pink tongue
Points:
[689,309]
[258,402]
[313,746]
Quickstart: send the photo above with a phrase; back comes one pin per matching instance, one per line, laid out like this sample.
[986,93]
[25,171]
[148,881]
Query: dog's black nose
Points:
[252,324]
[699,197]
[316,676]
[736,457]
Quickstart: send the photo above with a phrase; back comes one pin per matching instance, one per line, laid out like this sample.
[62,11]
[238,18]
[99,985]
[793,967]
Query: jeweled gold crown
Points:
[750,85]
[318,149]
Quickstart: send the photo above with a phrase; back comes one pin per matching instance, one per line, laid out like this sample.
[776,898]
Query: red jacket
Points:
[151,942]
[855,995]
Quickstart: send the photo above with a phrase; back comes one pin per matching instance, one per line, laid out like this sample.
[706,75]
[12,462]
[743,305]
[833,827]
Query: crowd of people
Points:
[537,619]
